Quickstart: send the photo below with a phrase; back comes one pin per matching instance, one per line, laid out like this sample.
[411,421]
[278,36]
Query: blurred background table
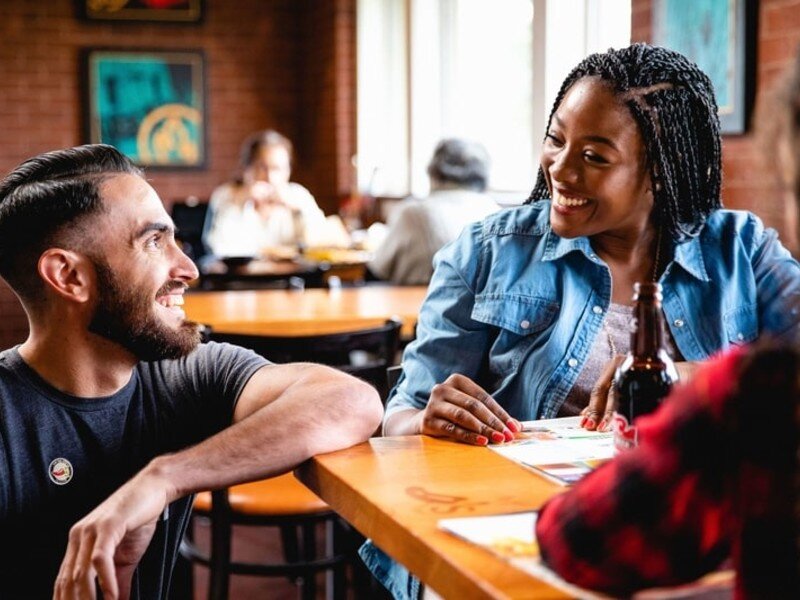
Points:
[396,489]
[306,312]
[314,268]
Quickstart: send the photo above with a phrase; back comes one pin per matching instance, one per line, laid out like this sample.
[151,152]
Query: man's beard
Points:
[126,317]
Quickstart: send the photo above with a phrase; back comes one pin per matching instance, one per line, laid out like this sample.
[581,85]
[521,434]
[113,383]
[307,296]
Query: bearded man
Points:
[111,413]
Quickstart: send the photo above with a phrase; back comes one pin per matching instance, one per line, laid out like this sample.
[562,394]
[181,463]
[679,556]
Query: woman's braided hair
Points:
[673,103]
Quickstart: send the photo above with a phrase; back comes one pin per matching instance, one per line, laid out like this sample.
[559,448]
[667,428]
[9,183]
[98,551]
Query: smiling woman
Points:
[524,308]
[528,306]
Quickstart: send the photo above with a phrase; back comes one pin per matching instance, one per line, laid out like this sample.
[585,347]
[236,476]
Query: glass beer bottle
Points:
[647,374]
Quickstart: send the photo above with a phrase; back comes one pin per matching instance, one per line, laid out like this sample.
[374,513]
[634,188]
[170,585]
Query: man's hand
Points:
[461,410]
[106,546]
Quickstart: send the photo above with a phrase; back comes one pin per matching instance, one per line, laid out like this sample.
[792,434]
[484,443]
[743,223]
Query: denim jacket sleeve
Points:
[449,340]
[777,277]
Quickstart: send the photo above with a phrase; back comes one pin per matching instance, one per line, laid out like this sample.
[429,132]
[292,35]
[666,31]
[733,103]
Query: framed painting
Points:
[150,104]
[718,35]
[169,11]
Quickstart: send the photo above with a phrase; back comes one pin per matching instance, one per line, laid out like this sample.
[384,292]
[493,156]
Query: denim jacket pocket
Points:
[521,315]
[741,324]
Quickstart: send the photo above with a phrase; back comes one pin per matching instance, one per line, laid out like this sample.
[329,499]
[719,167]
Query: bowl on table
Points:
[234,262]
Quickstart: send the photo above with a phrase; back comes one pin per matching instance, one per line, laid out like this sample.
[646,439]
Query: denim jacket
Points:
[517,308]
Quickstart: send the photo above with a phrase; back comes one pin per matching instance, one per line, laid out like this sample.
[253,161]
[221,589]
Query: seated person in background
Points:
[111,413]
[527,312]
[459,174]
[716,473]
[262,208]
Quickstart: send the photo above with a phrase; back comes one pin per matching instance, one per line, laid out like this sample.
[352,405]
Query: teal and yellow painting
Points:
[149,105]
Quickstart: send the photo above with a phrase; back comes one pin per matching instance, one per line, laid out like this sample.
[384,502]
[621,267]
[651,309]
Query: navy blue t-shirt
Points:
[61,456]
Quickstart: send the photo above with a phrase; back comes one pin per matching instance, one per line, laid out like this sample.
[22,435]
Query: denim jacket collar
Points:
[555,246]
[687,254]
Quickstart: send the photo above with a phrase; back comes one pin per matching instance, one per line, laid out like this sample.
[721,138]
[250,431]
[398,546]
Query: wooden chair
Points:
[189,217]
[365,353]
[393,373]
[283,501]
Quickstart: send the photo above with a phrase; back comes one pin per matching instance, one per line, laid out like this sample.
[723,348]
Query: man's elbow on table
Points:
[365,409]
[351,413]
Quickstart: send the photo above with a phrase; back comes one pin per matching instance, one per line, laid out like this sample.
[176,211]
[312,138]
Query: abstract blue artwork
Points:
[149,105]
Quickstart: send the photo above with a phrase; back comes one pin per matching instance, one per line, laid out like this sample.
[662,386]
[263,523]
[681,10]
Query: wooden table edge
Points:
[323,483]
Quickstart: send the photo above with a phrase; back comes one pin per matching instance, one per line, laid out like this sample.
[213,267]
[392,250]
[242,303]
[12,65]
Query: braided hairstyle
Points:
[673,103]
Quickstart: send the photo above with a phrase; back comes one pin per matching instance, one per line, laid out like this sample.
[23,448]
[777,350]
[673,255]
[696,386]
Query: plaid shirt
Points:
[713,477]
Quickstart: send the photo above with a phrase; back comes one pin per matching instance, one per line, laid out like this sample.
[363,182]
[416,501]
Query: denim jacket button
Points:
[597,310]
[740,336]
[525,324]
[678,322]
[573,362]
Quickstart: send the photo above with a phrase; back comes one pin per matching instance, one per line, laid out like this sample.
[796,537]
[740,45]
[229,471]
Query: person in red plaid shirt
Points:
[716,474]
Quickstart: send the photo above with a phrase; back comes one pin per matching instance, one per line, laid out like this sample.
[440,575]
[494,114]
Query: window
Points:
[481,69]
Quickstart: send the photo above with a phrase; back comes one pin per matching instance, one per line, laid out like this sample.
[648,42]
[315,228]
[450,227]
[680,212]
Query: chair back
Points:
[189,218]
[393,373]
[364,353]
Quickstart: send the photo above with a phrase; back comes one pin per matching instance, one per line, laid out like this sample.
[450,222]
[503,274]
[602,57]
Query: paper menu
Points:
[558,449]
[512,537]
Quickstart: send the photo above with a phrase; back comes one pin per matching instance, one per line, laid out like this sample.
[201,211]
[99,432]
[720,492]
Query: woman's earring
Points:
[658,186]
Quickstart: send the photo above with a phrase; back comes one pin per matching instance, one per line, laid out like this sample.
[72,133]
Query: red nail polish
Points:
[482,440]
[513,426]
[498,437]
[508,434]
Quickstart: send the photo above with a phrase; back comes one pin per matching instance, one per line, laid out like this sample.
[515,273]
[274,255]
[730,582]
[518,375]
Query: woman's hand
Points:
[603,400]
[461,410]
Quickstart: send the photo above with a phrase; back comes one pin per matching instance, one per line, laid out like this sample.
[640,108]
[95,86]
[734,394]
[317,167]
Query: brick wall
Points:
[328,127]
[286,64]
[748,182]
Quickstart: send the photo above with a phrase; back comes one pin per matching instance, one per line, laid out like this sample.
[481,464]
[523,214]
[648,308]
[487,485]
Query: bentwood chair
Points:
[189,217]
[283,501]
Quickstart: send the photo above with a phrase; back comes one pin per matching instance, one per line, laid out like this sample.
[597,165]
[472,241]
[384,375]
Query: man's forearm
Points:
[321,412]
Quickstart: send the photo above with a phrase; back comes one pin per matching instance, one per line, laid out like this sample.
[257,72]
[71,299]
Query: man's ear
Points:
[69,274]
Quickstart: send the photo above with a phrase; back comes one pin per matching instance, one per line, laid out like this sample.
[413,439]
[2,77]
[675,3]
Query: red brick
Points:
[781,16]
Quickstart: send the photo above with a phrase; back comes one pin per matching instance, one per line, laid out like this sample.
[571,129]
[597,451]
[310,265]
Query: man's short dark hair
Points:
[45,201]
[461,162]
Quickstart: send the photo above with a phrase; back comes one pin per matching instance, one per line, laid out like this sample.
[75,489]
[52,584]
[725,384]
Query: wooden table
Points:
[394,490]
[305,312]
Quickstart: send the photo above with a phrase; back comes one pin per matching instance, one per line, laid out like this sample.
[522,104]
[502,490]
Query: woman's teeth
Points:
[565,201]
